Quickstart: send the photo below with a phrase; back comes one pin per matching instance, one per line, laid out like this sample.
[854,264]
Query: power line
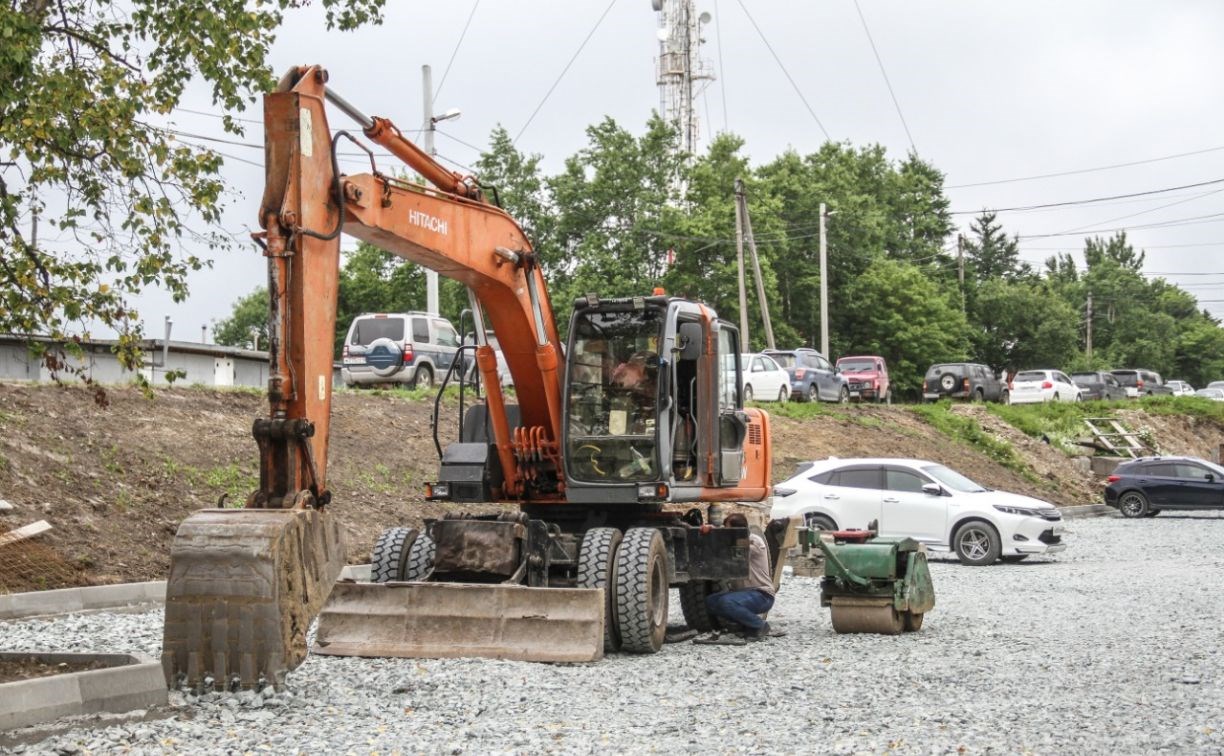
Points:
[1067,203]
[1191,221]
[455,52]
[884,73]
[561,76]
[1149,210]
[786,73]
[469,145]
[1146,246]
[1086,170]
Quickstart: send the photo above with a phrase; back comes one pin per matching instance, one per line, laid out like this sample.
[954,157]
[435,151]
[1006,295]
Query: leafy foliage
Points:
[247,325]
[84,83]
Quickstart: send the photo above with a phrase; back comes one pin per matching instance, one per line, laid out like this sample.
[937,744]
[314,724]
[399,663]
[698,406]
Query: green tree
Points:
[84,82]
[247,325]
[897,312]
[990,253]
[1021,325]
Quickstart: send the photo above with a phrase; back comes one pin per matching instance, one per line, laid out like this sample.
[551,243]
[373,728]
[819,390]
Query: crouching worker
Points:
[751,597]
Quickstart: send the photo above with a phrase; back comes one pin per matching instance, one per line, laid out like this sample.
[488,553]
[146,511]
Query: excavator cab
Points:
[652,402]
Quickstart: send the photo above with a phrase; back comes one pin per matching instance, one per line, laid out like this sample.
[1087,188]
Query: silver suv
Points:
[415,348]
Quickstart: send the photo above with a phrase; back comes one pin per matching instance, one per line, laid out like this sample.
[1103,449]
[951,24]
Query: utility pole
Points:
[741,201]
[824,286]
[431,276]
[960,266]
[739,254]
[1088,340]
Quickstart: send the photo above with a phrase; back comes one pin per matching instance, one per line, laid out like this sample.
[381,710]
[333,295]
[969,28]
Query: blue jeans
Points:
[740,607]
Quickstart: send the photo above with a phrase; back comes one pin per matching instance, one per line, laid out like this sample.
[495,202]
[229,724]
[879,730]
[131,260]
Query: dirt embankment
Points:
[115,481]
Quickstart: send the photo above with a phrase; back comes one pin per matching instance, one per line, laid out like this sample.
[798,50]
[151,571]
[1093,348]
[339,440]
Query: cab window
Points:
[904,481]
[863,477]
[444,334]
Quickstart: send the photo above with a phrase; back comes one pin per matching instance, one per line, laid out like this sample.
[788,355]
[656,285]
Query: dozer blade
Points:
[865,615]
[444,620]
[244,586]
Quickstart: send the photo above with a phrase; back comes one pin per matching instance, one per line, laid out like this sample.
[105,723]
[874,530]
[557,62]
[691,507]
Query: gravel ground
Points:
[1111,646]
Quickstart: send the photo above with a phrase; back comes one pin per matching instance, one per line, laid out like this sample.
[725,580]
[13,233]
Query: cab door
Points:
[732,422]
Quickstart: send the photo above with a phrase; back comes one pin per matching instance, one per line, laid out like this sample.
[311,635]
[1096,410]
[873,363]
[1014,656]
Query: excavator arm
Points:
[245,583]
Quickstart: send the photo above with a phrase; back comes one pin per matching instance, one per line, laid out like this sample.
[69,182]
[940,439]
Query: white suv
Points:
[924,501]
[1043,386]
[415,348]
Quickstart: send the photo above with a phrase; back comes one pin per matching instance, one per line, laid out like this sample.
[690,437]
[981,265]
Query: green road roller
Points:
[874,584]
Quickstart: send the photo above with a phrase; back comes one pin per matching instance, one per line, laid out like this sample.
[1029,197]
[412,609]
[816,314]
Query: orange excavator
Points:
[618,443]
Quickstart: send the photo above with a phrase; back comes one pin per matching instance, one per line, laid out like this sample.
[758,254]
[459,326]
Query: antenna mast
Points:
[682,73]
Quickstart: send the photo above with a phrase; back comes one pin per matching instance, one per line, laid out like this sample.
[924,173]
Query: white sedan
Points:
[1031,386]
[922,500]
[764,379]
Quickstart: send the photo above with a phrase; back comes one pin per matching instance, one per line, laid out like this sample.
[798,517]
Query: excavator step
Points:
[244,587]
[446,620]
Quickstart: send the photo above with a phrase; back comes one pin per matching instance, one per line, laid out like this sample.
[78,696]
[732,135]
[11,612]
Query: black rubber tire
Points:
[977,543]
[420,559]
[1013,558]
[693,605]
[843,397]
[642,591]
[783,394]
[948,382]
[819,521]
[813,393]
[1152,512]
[1133,504]
[978,396]
[1005,397]
[390,554]
[747,393]
[423,377]
[597,569]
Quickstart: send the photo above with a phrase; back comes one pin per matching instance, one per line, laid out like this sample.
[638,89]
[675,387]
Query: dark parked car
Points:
[1146,486]
[1139,382]
[1100,386]
[963,380]
[812,377]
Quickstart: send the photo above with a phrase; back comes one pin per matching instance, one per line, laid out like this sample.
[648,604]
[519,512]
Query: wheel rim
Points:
[658,594]
[783,394]
[813,393]
[1132,505]
[844,397]
[747,393]
[974,543]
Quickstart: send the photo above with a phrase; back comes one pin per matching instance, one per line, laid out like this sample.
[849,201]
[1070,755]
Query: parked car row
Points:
[976,382]
[805,375]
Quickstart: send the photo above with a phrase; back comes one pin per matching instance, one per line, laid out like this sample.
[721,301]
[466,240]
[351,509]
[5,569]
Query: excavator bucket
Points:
[244,586]
[442,620]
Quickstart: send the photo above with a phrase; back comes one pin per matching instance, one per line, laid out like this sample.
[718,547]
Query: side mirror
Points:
[932,489]
[689,341]
[1210,478]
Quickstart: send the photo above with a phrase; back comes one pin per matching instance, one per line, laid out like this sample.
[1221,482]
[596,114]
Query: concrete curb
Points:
[129,681]
[99,598]
[1086,510]
[87,599]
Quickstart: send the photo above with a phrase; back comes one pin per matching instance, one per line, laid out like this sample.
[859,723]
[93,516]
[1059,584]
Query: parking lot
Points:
[1112,646]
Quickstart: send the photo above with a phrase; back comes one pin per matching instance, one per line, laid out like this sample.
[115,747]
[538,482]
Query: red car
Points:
[867,377]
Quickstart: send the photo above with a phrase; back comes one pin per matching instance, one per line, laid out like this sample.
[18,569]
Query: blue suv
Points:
[812,377]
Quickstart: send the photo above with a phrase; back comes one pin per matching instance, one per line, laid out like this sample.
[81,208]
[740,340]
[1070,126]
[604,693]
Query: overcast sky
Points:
[990,91]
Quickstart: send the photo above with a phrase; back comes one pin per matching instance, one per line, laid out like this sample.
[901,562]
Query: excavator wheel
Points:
[389,557]
[693,605]
[642,590]
[863,617]
[420,559]
[597,569]
[244,586]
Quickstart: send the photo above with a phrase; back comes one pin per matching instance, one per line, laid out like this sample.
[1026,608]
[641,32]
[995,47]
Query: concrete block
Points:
[5,506]
[357,572]
[1105,465]
[126,683]
[87,599]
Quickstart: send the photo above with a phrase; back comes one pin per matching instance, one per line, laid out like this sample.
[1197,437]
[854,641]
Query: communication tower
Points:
[682,73]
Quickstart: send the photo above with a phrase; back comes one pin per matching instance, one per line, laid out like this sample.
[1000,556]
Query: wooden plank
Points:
[24,533]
